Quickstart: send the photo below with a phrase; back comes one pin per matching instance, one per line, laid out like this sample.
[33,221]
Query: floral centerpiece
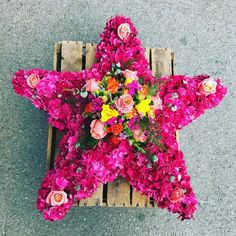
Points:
[118,120]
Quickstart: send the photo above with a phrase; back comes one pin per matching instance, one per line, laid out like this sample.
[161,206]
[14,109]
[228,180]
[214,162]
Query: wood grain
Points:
[96,199]
[71,59]
[118,193]
[52,130]
[161,61]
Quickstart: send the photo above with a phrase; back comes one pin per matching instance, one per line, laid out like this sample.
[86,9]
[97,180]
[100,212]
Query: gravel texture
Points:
[203,35]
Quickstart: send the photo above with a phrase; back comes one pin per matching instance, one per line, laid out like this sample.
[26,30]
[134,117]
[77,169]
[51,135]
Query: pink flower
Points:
[207,86]
[125,103]
[123,31]
[177,195]
[92,85]
[130,76]
[97,129]
[157,102]
[139,135]
[56,198]
[33,80]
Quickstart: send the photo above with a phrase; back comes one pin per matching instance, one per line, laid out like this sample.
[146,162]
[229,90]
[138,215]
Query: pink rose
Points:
[139,135]
[92,85]
[125,103]
[56,198]
[129,74]
[157,102]
[207,86]
[177,195]
[97,129]
[123,31]
[32,80]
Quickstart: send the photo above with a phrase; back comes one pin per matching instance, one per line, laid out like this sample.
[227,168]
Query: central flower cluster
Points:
[120,106]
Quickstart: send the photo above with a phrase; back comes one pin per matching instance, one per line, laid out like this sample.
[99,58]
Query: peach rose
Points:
[125,103]
[97,129]
[139,135]
[56,198]
[157,102]
[130,76]
[207,86]
[177,195]
[92,85]
[123,31]
[32,80]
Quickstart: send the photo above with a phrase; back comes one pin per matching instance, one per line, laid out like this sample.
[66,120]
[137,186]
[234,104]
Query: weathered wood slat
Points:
[161,64]
[51,130]
[118,193]
[174,72]
[71,59]
[96,199]
[161,61]
[139,200]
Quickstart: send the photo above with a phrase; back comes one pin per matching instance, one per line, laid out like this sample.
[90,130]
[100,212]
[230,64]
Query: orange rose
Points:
[177,195]
[112,85]
[115,129]
[143,92]
[131,114]
[89,107]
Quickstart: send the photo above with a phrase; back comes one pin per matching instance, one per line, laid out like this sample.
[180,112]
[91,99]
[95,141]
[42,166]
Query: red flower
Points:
[89,107]
[115,129]
[177,195]
[115,140]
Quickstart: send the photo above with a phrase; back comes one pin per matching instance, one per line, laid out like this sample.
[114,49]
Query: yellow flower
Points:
[143,107]
[128,81]
[107,113]
[151,113]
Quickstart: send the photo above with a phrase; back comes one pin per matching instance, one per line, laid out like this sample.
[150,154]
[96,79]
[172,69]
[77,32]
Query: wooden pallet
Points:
[76,56]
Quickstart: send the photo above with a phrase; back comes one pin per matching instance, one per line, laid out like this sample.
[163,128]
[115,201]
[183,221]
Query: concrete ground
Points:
[201,32]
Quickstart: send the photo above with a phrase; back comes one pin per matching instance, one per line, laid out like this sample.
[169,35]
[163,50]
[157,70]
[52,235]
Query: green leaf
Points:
[77,187]
[77,144]
[141,81]
[149,165]
[128,132]
[154,158]
[84,94]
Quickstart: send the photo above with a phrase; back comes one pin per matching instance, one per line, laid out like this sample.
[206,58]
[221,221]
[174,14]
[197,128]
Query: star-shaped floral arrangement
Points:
[118,120]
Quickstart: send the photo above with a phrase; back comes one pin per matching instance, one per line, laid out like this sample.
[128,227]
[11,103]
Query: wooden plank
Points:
[49,148]
[71,59]
[147,54]
[161,62]
[139,200]
[173,62]
[118,193]
[96,199]
[51,130]
[90,54]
